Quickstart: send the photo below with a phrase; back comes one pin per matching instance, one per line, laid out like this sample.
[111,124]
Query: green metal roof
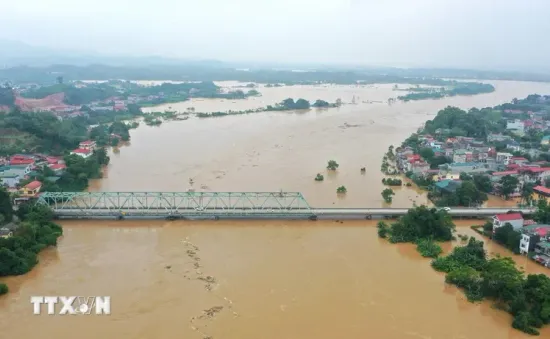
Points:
[544,244]
[9,174]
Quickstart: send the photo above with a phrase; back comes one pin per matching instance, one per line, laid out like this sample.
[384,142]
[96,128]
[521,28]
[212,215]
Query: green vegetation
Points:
[36,231]
[454,88]
[342,190]
[392,182]
[508,185]
[290,105]
[508,237]
[319,177]
[388,194]
[151,121]
[45,133]
[150,95]
[498,279]
[332,165]
[422,223]
[7,98]
[428,248]
[193,71]
[468,194]
[383,229]
[3,289]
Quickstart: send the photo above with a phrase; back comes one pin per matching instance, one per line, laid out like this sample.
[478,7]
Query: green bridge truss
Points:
[176,203]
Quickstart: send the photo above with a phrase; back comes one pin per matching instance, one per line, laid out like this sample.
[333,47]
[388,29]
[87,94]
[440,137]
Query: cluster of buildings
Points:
[535,238]
[22,167]
[471,156]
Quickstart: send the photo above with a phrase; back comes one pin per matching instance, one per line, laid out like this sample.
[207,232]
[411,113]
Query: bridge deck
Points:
[207,205]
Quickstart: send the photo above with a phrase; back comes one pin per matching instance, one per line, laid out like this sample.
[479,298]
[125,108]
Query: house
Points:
[531,235]
[459,156]
[85,153]
[448,186]
[496,176]
[31,189]
[53,160]
[88,144]
[545,140]
[5,232]
[518,160]
[497,137]
[533,174]
[513,145]
[514,219]
[541,192]
[515,126]
[19,160]
[542,256]
[503,158]
[58,168]
[10,179]
[466,167]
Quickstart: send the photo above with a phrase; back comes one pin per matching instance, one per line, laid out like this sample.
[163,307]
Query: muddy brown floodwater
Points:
[269,280]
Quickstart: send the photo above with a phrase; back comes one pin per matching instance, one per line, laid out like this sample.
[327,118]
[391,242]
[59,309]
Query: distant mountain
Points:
[15,54]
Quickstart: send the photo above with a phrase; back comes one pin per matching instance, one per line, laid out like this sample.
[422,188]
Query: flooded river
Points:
[269,280]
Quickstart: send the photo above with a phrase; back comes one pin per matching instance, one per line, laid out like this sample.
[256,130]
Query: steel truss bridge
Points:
[218,205]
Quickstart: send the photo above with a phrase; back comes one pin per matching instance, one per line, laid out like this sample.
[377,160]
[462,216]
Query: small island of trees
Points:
[319,177]
[342,190]
[332,165]
[388,194]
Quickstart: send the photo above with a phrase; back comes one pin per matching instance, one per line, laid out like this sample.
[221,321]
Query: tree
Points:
[483,183]
[383,229]
[59,80]
[319,177]
[3,288]
[469,195]
[342,190]
[507,236]
[508,185]
[388,194]
[527,193]
[542,213]
[320,104]
[423,223]
[427,153]
[332,165]
[6,209]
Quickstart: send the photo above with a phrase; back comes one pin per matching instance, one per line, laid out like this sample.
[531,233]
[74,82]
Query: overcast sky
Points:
[463,33]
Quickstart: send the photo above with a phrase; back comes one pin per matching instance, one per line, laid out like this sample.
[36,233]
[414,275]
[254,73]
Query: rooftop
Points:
[546,137]
[33,185]
[465,164]
[541,189]
[87,142]
[81,150]
[505,173]
[508,216]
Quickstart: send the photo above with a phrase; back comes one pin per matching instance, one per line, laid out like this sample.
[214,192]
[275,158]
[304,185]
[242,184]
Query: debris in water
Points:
[168,267]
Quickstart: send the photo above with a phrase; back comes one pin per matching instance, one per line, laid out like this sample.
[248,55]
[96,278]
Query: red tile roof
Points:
[87,142]
[57,166]
[33,185]
[505,173]
[81,150]
[518,158]
[542,189]
[538,169]
[21,162]
[53,160]
[529,222]
[508,217]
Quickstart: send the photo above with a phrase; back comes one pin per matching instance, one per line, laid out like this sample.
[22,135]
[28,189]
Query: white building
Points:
[81,152]
[515,126]
[531,236]
[514,219]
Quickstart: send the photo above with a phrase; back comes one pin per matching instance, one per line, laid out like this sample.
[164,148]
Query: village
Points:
[460,171]
[24,168]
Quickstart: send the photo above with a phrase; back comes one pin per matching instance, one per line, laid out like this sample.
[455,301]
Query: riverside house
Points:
[514,219]
[531,235]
